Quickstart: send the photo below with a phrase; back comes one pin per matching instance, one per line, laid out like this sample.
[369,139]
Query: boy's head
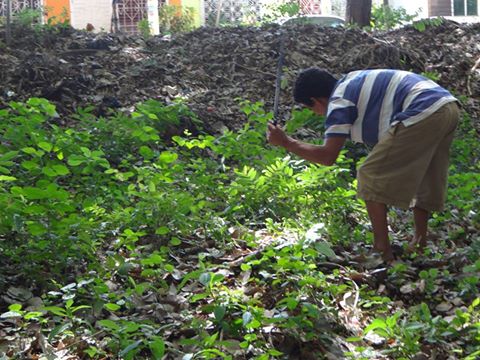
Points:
[312,85]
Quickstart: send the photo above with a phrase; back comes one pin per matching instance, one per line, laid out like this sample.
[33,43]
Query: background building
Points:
[125,15]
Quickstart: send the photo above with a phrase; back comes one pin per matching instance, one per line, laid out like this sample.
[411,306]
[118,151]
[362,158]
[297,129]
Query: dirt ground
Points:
[211,68]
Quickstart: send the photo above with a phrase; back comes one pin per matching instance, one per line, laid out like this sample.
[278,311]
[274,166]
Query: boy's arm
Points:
[325,154]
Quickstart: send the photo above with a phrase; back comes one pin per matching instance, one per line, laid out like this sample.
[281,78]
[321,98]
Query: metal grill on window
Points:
[130,13]
[232,11]
[19,5]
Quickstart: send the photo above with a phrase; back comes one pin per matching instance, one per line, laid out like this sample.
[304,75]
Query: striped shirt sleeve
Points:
[341,114]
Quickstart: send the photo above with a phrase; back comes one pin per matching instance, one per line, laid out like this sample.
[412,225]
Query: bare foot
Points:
[387,254]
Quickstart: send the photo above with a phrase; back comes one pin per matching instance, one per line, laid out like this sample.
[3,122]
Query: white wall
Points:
[464,19]
[412,7]
[153,19]
[95,12]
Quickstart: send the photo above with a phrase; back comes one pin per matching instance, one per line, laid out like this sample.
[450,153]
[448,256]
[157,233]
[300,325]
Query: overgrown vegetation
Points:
[119,241]
[385,17]
[174,19]
[124,244]
[281,10]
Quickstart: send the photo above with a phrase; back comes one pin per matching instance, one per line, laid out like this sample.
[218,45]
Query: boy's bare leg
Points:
[377,213]
[420,218]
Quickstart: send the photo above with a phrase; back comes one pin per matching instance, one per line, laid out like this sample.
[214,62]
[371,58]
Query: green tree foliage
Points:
[386,17]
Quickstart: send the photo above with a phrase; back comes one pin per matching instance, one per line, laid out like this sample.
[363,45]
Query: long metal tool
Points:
[278,83]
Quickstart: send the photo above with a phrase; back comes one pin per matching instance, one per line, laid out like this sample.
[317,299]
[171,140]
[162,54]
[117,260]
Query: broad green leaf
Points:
[130,348]
[15,307]
[291,303]
[198,297]
[167,157]
[274,352]
[29,164]
[112,307]
[169,267]
[109,324]
[86,151]
[75,160]
[58,330]
[154,259]
[162,230]
[475,303]
[324,248]
[8,156]
[45,146]
[174,241]
[36,228]
[219,312]
[49,171]
[80,307]
[217,278]
[56,310]
[7,178]
[130,327]
[247,317]
[61,169]
[29,150]
[33,193]
[205,278]
[146,152]
[157,347]
[354,339]
[33,315]
[376,324]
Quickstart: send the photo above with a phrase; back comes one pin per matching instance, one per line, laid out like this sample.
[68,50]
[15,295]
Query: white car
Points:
[322,20]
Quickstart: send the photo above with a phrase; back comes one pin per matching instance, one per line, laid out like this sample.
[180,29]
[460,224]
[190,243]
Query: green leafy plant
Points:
[429,277]
[281,9]
[28,17]
[386,17]
[421,25]
[144,28]
[175,19]
[15,311]
[183,244]
[432,75]
[404,334]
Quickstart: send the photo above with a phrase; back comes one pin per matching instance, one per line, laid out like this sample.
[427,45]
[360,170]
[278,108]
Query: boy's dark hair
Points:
[313,83]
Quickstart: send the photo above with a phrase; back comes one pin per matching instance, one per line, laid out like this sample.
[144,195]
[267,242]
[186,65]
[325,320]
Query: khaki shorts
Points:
[409,166]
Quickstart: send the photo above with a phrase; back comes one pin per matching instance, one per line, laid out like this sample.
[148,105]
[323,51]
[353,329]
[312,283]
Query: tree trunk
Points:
[358,12]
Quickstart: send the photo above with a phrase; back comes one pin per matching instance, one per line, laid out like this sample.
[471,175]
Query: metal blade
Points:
[278,83]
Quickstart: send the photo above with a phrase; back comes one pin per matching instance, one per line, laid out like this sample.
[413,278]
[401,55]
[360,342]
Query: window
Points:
[465,7]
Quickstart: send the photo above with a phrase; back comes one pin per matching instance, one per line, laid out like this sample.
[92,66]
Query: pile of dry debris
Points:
[213,67]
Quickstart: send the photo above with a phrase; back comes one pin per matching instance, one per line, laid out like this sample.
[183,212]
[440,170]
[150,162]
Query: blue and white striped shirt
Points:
[366,103]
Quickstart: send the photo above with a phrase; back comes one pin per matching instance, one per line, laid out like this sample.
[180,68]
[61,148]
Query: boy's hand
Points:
[276,136]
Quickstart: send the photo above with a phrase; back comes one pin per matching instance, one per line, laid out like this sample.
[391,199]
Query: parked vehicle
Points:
[322,20]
